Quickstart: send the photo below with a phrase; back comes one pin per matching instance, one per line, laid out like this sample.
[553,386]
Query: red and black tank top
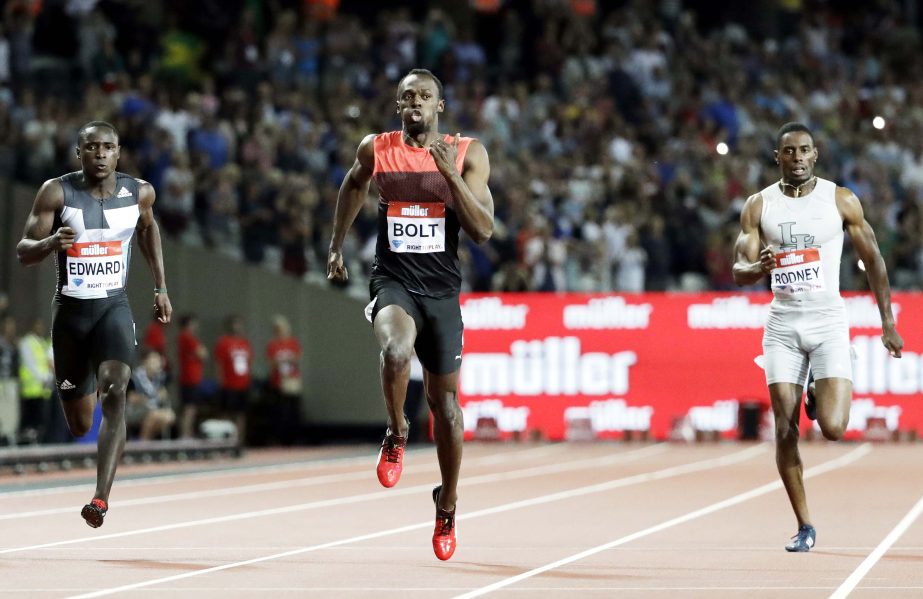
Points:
[417,224]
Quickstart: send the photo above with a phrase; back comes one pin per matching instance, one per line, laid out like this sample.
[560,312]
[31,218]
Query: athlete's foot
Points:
[444,539]
[391,459]
[810,399]
[94,512]
[803,541]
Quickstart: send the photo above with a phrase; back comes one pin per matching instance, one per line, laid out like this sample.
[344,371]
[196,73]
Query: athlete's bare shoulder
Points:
[476,152]
[845,194]
[752,210]
[146,191]
[847,203]
[365,154]
[50,195]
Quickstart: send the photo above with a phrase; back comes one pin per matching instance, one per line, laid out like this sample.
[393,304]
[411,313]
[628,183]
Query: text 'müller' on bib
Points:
[798,272]
[416,227]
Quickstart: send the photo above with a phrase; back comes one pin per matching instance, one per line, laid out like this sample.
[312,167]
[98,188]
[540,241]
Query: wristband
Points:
[159,290]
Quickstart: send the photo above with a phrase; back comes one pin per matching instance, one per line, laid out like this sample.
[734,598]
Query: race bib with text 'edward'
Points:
[797,272]
[95,265]
[416,227]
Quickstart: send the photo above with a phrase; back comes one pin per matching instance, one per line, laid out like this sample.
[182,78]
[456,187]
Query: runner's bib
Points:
[798,272]
[416,227]
[95,265]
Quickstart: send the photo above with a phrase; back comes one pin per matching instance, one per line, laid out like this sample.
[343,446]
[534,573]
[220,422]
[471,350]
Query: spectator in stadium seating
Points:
[9,381]
[192,356]
[148,413]
[234,360]
[285,383]
[622,109]
[36,382]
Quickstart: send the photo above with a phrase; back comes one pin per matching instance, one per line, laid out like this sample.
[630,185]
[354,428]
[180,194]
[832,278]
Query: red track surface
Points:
[597,520]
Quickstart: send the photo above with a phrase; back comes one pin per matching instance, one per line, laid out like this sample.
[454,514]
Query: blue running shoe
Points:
[810,401]
[803,541]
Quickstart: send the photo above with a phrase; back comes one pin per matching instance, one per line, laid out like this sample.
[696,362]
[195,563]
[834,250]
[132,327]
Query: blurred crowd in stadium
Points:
[624,137]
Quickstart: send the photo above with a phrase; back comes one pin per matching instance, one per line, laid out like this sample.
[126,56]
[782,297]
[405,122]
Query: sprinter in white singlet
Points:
[792,231]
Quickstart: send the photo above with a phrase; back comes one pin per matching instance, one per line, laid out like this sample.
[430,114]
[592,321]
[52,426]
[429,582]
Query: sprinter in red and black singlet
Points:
[87,219]
[430,185]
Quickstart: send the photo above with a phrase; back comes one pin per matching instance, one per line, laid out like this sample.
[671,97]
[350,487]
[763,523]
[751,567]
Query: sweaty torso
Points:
[417,225]
[96,266]
[807,235]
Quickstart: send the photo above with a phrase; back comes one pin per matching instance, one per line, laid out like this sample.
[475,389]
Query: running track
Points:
[555,520]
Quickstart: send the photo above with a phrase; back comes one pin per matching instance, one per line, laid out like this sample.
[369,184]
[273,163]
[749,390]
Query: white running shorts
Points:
[797,335]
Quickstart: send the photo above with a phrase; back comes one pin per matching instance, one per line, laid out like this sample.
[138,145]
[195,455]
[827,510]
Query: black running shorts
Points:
[439,323]
[84,334]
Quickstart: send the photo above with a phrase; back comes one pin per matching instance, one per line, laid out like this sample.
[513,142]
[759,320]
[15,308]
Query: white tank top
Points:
[807,235]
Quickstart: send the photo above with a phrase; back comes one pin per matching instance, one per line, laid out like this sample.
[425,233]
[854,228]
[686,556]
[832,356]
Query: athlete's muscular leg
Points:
[448,430]
[113,382]
[834,399]
[79,414]
[786,406]
[396,333]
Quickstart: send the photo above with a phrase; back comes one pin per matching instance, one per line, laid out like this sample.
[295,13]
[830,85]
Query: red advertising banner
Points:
[598,366]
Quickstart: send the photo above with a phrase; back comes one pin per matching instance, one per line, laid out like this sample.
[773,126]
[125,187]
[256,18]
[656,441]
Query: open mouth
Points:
[416,116]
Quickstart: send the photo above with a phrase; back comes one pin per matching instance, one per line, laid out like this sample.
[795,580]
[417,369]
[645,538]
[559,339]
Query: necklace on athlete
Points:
[797,188]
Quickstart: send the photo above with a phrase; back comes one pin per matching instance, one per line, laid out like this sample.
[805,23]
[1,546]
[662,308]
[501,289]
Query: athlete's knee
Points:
[444,405]
[112,397]
[833,429]
[396,354]
[787,433]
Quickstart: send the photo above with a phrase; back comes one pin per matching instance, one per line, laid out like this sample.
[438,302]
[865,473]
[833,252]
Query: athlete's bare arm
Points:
[751,261]
[149,241]
[474,203]
[353,192]
[863,239]
[37,239]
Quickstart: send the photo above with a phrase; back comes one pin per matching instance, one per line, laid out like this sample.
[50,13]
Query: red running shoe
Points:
[444,539]
[391,459]
[94,512]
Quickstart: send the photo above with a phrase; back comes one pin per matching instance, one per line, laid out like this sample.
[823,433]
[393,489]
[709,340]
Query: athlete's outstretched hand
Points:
[336,270]
[63,239]
[163,310]
[444,155]
[892,341]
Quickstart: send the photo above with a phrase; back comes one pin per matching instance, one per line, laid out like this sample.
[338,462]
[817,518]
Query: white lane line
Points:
[156,479]
[318,480]
[266,591]
[529,591]
[531,452]
[869,562]
[657,475]
[339,501]
[840,462]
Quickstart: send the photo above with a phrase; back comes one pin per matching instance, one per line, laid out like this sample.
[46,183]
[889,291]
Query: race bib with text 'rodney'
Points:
[416,227]
[798,272]
[95,265]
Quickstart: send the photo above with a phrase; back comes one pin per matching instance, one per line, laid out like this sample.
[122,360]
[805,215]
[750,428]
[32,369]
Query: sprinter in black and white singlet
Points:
[87,219]
[793,232]
[430,186]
